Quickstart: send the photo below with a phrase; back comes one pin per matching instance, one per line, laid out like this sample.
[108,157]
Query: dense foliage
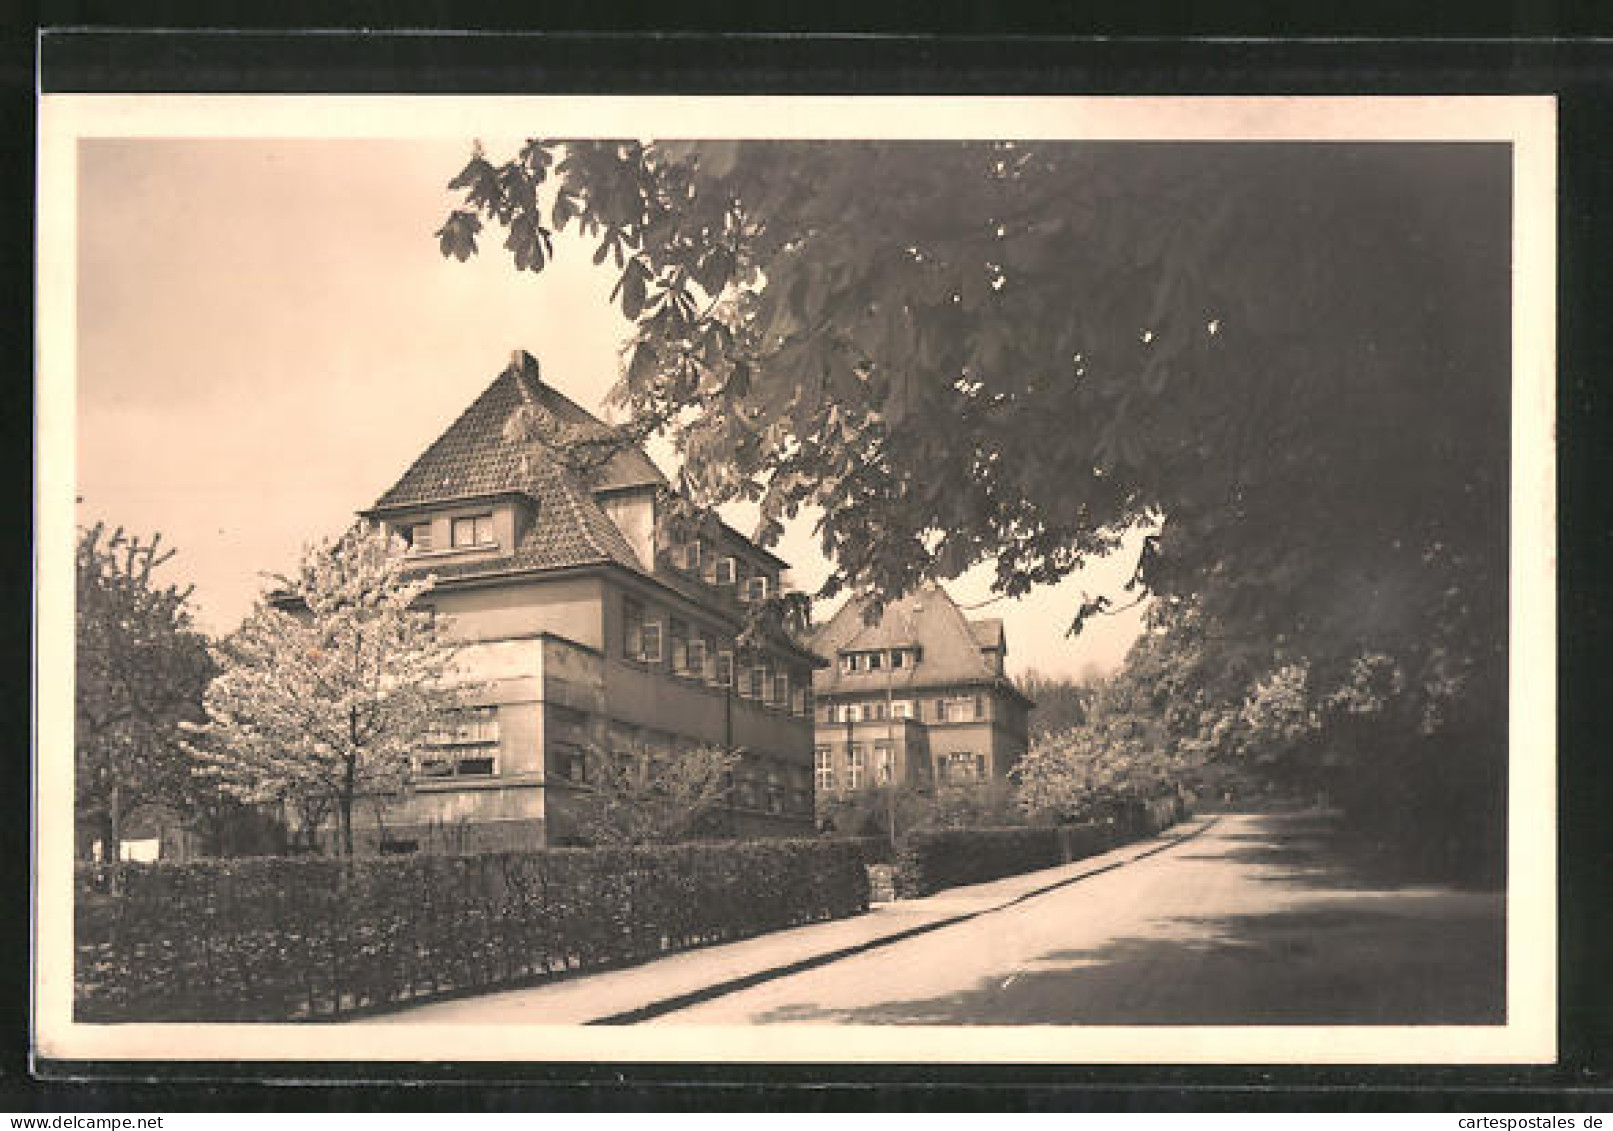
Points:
[1061,703]
[1288,362]
[293,938]
[642,796]
[326,692]
[139,672]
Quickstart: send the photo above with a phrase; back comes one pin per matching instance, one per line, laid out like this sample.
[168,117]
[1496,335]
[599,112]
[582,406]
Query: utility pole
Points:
[890,750]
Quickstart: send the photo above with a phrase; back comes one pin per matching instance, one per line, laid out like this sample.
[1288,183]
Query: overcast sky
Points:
[268,336]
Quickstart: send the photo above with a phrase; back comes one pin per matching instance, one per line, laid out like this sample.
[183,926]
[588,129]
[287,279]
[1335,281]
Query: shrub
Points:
[287,938]
[941,858]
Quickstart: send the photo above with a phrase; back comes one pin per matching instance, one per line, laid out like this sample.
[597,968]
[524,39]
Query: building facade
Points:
[921,697]
[582,627]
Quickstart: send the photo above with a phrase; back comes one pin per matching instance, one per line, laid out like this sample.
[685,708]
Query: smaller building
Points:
[918,698]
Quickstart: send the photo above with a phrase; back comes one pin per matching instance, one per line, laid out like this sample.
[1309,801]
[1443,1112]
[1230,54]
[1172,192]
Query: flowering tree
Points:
[139,670]
[330,685]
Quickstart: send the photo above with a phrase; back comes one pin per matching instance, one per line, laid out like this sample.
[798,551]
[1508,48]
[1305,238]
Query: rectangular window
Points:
[854,766]
[417,535]
[980,767]
[901,709]
[882,763]
[798,703]
[755,682]
[754,589]
[464,744]
[698,666]
[632,628]
[678,645]
[854,713]
[898,658]
[781,690]
[725,571]
[650,643]
[940,710]
[980,706]
[848,663]
[724,669]
[473,530]
[686,556]
[775,791]
[570,762]
[824,769]
[875,661]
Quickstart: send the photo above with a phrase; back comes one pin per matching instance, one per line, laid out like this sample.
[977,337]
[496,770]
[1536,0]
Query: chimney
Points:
[523,363]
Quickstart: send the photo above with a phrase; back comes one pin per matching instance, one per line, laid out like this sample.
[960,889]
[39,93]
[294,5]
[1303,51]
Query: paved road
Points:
[1255,921]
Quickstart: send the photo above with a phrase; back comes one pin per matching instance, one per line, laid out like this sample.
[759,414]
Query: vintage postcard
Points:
[871,579]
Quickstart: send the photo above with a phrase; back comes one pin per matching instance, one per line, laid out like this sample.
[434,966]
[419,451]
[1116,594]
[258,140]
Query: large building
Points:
[582,628]
[919,697]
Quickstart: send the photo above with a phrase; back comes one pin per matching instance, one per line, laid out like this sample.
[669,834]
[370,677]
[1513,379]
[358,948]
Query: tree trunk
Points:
[347,807]
[113,853]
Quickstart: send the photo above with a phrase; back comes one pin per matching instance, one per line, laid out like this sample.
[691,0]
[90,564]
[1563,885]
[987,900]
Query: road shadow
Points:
[1312,847]
[1334,948]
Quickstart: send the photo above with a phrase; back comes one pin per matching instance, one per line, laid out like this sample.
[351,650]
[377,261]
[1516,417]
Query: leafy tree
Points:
[1290,361]
[1060,703]
[873,810]
[637,795]
[139,671]
[330,685]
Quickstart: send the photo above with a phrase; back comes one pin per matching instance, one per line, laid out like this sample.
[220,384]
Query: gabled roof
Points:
[482,457]
[927,619]
[478,457]
[474,458]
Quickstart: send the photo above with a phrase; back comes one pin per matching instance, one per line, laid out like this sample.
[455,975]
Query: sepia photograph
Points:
[877,579]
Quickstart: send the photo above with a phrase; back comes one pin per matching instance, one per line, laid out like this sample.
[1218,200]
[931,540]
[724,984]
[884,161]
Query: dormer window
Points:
[417,536]
[470,531]
[754,590]
[724,572]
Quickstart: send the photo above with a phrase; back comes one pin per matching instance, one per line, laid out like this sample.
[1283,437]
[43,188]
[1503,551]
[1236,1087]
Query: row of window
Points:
[826,773]
[465,532]
[956,710]
[697,558]
[465,744]
[697,655]
[853,771]
[894,659]
[759,783]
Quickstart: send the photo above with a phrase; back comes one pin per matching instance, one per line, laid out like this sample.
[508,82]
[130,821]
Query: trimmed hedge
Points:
[272,939]
[933,860]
